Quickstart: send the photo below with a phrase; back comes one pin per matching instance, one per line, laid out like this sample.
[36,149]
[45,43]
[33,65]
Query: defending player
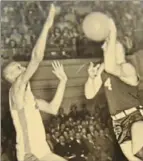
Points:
[31,142]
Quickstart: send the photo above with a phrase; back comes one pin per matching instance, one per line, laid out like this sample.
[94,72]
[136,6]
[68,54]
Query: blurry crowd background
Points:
[86,135]
[21,23]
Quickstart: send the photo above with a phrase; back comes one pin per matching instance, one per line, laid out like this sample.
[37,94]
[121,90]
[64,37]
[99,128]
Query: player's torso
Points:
[120,96]
[29,126]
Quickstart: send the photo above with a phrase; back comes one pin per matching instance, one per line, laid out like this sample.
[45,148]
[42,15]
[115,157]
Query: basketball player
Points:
[120,84]
[25,109]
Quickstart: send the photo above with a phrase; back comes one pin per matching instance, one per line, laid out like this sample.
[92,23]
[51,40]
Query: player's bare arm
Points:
[94,81]
[125,71]
[110,48]
[54,105]
[38,50]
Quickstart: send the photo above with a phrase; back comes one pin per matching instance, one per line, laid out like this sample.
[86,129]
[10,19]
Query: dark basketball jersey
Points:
[120,96]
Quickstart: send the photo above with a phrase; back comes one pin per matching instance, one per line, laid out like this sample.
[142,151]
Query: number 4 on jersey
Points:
[108,84]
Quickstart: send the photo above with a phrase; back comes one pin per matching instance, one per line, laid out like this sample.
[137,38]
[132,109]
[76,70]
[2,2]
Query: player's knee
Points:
[139,154]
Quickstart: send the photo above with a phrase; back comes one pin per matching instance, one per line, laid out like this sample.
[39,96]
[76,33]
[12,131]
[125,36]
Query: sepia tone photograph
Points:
[72,80]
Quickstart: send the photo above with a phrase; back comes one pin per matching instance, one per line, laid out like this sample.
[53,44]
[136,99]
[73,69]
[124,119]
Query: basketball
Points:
[96,26]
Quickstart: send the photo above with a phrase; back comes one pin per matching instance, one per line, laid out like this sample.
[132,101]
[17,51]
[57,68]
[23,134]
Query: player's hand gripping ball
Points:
[96,26]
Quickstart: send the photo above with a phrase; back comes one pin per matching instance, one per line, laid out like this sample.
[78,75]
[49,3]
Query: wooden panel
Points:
[49,93]
[49,84]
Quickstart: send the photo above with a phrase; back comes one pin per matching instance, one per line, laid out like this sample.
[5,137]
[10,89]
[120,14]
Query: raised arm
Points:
[38,50]
[55,104]
[114,59]
[110,49]
[94,81]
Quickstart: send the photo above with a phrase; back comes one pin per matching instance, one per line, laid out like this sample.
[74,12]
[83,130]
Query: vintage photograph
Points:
[72,80]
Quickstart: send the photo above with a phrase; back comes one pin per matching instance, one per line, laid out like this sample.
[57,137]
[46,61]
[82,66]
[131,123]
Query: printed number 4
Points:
[108,84]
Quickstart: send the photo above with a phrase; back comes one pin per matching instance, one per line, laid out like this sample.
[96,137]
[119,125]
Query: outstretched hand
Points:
[112,26]
[93,70]
[59,71]
[51,15]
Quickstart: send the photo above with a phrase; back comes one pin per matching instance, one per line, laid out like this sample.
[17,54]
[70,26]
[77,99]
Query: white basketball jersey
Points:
[29,127]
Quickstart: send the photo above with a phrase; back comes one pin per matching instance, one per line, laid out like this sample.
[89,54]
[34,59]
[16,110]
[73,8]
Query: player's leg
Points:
[126,148]
[121,132]
[52,157]
[137,139]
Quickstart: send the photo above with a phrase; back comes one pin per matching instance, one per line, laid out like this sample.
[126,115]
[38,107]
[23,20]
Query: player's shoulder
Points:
[18,83]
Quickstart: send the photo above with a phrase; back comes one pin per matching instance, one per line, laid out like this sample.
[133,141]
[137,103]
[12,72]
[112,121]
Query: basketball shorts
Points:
[122,127]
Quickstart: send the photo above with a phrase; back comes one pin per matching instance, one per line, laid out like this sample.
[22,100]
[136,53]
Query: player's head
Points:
[12,71]
[119,49]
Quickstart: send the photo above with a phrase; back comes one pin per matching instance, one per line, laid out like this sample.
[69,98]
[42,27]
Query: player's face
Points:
[14,70]
[18,69]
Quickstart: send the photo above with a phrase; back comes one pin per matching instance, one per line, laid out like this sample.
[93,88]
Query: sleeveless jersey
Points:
[30,132]
[120,96]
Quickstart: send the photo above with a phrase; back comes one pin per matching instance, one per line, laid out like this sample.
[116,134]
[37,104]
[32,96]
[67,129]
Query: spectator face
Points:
[15,31]
[89,136]
[52,131]
[48,136]
[98,127]
[24,42]
[65,134]
[57,134]
[91,128]
[12,43]
[61,139]
[62,126]
[66,30]
[79,127]
[74,123]
[96,133]
[57,32]
[62,41]
[84,131]
[70,119]
[78,136]
[101,133]
[71,134]
[78,122]
[83,123]
[91,122]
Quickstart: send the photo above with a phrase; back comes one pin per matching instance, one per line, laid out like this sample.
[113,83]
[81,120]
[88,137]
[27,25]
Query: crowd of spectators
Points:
[81,135]
[22,23]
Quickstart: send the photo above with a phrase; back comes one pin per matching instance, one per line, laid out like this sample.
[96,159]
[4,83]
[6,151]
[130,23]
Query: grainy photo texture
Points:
[72,80]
